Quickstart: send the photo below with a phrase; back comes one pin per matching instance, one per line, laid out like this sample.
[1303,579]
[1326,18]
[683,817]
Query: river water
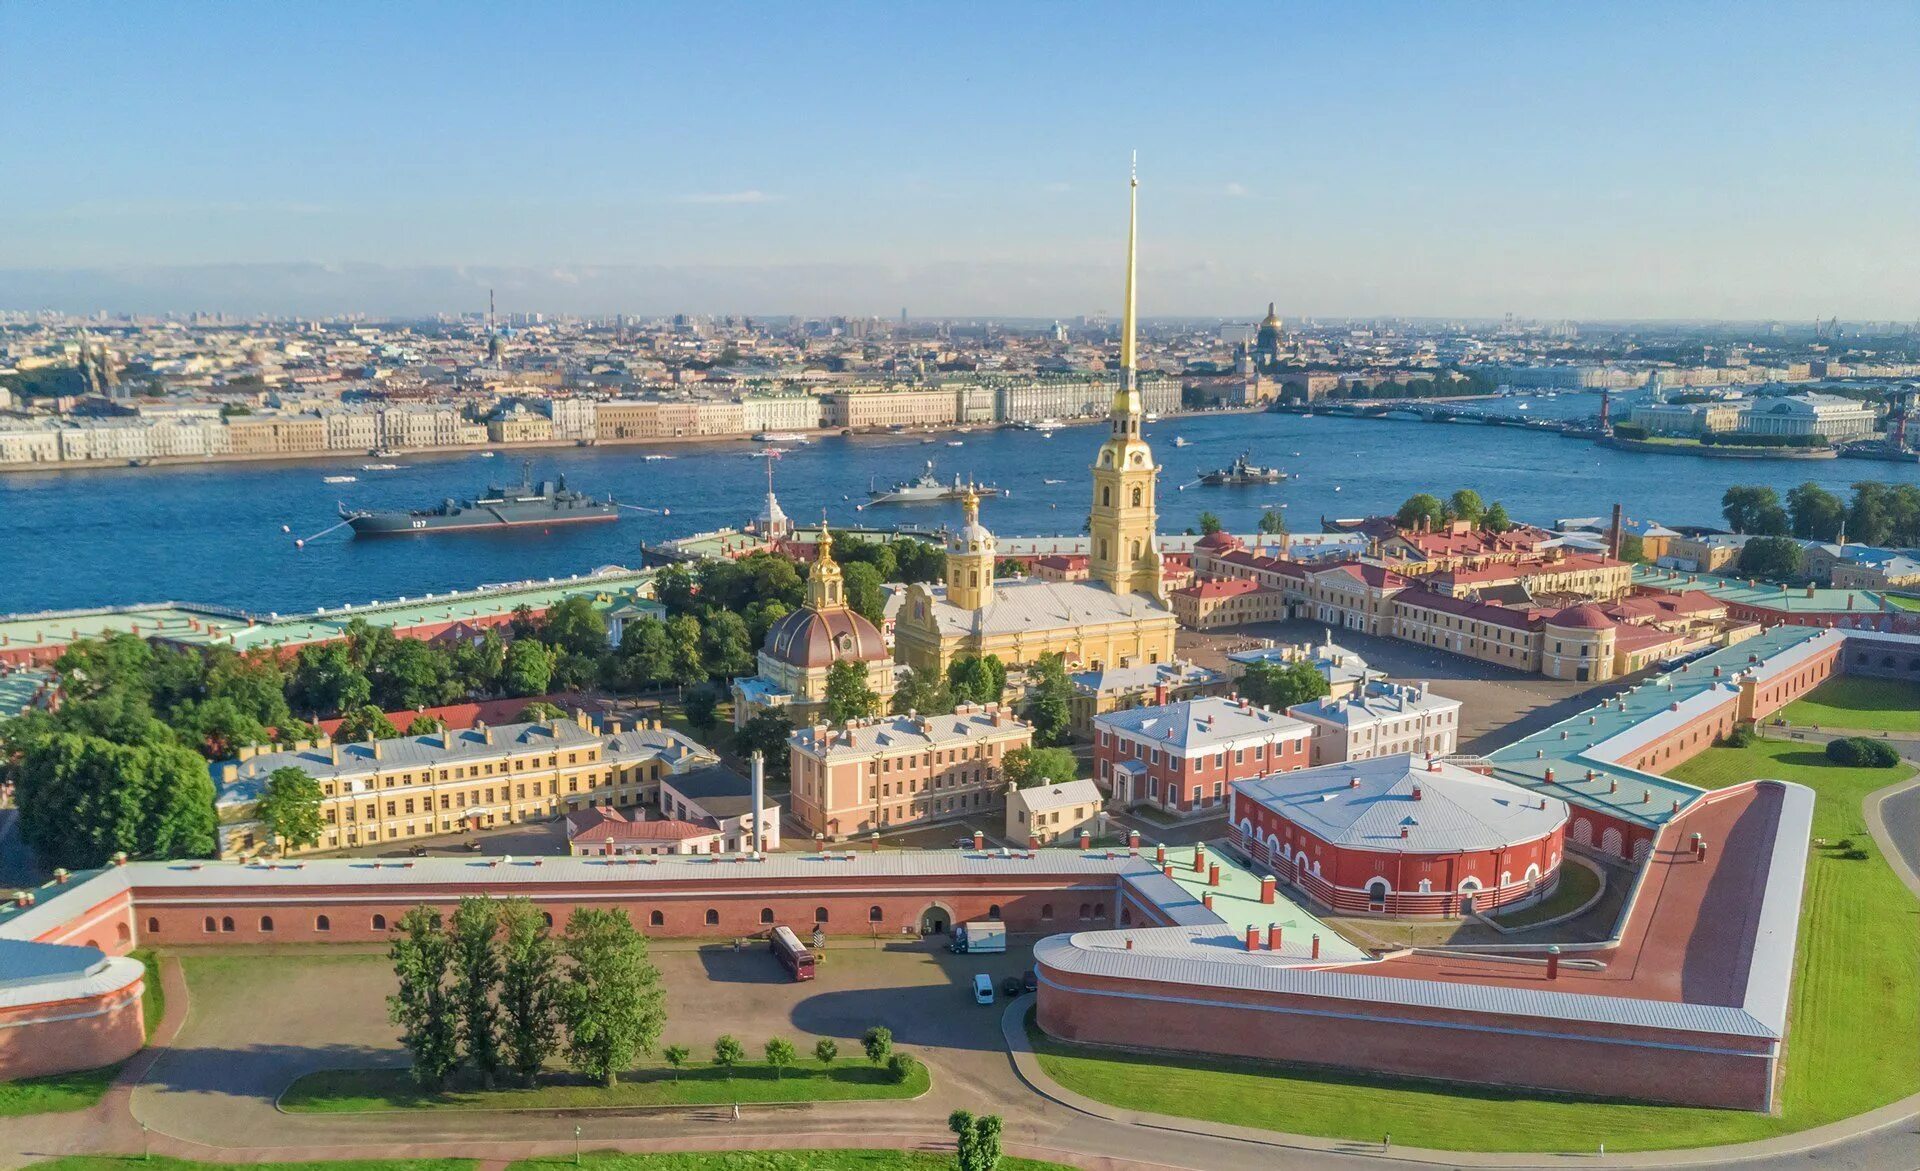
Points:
[213,533]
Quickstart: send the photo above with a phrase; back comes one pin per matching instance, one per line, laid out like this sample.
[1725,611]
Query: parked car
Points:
[1030,982]
[473,845]
[983,989]
[417,851]
[1010,986]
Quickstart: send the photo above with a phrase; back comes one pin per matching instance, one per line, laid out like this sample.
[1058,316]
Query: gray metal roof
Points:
[1203,723]
[1204,962]
[1404,804]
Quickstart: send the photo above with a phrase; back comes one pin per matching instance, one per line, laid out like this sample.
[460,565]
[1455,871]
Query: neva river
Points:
[213,533]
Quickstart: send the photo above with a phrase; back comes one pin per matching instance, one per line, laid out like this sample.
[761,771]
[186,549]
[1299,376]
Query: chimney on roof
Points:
[1159,694]
[759,801]
[1403,831]
[336,754]
[1614,534]
[376,748]
[1416,792]
[1549,776]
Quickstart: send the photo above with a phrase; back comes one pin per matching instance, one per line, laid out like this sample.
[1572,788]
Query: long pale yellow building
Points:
[1117,618]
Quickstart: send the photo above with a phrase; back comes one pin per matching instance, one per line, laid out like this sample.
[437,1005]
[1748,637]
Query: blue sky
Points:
[1444,158]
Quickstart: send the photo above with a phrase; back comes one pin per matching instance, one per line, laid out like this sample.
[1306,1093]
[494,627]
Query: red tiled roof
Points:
[1468,608]
[1221,587]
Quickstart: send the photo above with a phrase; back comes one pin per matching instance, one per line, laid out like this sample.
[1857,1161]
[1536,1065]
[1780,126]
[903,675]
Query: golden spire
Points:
[970,505]
[1126,396]
[1127,323]
[825,544]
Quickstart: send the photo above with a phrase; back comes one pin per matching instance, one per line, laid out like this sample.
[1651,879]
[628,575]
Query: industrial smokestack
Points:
[1614,533]
[759,796]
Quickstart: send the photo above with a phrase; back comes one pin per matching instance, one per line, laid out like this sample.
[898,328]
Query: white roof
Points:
[1375,702]
[1045,797]
[910,733]
[1441,807]
[1204,723]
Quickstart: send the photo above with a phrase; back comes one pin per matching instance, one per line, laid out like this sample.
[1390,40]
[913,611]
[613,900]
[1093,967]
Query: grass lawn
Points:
[354,1090]
[1874,705]
[62,1092]
[166,1164]
[860,1160]
[1577,884]
[1901,603]
[1850,1048]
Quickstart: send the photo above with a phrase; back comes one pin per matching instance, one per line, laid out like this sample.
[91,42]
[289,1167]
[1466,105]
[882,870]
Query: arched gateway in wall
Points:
[936,919]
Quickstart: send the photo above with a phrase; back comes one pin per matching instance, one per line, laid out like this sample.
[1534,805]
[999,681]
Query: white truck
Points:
[980,937]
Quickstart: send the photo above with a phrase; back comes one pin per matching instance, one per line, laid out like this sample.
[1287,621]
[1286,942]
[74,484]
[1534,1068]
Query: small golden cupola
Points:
[970,559]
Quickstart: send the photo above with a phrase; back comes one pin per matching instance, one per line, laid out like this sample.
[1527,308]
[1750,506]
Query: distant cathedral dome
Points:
[1271,333]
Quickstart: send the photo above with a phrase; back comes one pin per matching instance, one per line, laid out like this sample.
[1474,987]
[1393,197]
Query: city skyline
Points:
[1397,161]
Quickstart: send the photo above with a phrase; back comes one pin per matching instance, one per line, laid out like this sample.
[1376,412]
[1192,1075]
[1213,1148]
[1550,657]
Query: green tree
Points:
[878,1043]
[1282,685]
[1050,700]
[848,694]
[1754,509]
[1031,768]
[528,669]
[1633,548]
[611,1000]
[423,726]
[683,651]
[673,588]
[727,1053]
[1209,524]
[365,722]
[971,679]
[1466,505]
[866,592]
[645,657]
[1775,558]
[413,674]
[92,666]
[725,645]
[255,684]
[1870,520]
[1423,508]
[423,1006]
[977,1139]
[780,1054]
[702,706]
[1495,519]
[1272,522]
[676,1056]
[825,1050]
[327,681]
[289,809]
[923,692]
[577,626]
[540,712]
[529,977]
[1817,514]
[767,733]
[476,979]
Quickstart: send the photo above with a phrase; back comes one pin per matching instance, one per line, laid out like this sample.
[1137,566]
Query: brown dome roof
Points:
[1585,616]
[1218,540]
[817,638]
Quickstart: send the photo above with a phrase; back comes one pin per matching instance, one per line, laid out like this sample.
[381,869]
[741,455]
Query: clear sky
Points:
[1553,159]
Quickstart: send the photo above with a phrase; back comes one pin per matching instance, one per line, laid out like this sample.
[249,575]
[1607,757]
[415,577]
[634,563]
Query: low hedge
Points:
[1862,752]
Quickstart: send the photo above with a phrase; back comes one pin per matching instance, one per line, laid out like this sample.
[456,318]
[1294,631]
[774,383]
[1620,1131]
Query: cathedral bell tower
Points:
[826,589]
[970,560]
[1125,554]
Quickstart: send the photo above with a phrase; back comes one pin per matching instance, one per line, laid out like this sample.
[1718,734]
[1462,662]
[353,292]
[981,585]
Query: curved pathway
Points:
[1043,1119]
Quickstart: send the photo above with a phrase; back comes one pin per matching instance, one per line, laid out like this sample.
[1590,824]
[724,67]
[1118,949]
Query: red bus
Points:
[793,956]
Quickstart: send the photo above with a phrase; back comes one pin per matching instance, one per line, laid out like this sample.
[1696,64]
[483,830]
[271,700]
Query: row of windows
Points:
[224,925]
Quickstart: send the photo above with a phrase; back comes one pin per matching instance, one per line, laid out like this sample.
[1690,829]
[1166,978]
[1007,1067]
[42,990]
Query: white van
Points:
[983,989]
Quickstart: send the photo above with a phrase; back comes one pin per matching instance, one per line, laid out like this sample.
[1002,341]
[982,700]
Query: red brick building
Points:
[1183,757]
[1401,835]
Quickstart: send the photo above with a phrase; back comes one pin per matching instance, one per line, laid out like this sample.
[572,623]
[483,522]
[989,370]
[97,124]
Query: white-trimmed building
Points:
[1381,719]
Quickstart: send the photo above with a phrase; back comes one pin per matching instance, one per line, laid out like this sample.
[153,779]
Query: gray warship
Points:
[525,505]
